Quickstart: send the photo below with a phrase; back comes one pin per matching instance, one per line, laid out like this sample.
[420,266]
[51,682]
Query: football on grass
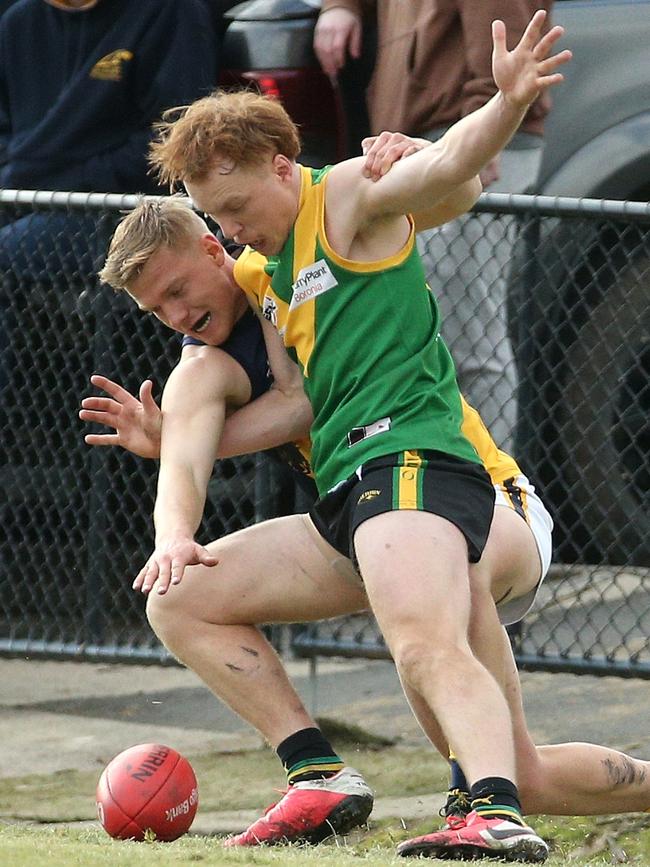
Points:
[147,788]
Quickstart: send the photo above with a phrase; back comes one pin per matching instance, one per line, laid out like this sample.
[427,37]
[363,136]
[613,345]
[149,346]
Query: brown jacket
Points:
[434,60]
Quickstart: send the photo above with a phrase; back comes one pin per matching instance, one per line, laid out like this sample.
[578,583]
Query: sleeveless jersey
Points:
[499,464]
[246,346]
[366,337]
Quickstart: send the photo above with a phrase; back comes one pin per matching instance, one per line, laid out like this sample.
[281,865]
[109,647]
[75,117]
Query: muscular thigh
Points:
[510,565]
[273,572]
[414,566]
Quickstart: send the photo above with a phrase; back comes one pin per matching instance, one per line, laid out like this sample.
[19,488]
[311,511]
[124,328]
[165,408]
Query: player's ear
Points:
[213,247]
[283,167]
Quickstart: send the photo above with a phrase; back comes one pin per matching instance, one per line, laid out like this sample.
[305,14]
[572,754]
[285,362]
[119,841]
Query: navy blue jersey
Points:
[79,91]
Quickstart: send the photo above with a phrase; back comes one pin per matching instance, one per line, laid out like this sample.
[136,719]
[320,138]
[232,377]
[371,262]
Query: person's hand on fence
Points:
[337,34]
[523,73]
[383,150]
[137,422]
[166,566]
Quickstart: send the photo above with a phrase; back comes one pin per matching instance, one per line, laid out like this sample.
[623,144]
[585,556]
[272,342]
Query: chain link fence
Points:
[549,322]
[77,520]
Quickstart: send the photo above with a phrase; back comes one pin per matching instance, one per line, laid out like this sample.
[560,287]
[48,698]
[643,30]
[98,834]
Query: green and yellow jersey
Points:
[366,337]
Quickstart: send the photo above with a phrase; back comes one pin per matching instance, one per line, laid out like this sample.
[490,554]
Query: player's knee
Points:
[419,661]
[165,616]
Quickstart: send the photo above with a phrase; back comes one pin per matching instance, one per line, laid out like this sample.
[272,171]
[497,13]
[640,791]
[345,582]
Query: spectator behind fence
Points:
[433,67]
[81,82]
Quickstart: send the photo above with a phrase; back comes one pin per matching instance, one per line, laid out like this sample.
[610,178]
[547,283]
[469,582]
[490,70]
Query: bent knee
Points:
[156,610]
[419,661]
[166,613]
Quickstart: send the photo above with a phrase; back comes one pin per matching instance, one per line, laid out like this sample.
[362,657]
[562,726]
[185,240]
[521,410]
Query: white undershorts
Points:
[519,494]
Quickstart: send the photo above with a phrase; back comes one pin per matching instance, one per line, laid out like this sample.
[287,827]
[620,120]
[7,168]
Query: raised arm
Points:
[382,151]
[194,407]
[431,175]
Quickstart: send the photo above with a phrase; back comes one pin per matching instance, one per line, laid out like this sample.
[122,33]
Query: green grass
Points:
[607,842]
[246,781]
[231,781]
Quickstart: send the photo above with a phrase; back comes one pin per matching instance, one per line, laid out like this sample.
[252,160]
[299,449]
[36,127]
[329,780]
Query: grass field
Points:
[38,816]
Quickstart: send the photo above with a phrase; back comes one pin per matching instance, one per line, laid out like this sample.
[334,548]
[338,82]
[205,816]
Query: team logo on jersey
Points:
[111,67]
[368,495]
[270,310]
[357,434]
[311,282]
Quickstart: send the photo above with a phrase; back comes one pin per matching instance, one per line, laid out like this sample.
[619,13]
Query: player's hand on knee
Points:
[137,422]
[167,564]
[384,150]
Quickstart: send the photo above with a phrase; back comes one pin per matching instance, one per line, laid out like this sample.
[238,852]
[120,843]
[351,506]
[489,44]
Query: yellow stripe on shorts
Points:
[407,482]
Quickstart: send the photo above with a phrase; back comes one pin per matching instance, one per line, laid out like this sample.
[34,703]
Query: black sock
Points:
[307,755]
[496,798]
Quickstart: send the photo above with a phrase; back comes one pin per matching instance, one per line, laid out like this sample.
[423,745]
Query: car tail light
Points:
[311,101]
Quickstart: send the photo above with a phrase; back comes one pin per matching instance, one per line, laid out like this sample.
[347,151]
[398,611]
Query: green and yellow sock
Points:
[496,798]
[307,755]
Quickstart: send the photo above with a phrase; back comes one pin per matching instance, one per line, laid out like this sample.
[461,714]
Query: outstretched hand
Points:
[137,422]
[523,73]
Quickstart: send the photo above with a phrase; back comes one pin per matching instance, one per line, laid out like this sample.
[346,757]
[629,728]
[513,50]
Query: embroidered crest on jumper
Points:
[111,67]
[311,282]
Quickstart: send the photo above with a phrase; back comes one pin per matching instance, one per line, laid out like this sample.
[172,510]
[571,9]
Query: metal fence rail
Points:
[76,521]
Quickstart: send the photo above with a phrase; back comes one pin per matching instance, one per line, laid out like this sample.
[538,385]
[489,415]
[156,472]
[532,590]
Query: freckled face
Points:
[255,206]
[190,291]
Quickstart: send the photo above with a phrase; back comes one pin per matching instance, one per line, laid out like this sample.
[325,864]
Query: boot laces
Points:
[456,808]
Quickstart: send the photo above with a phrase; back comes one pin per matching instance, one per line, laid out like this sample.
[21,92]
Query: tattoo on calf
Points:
[622,771]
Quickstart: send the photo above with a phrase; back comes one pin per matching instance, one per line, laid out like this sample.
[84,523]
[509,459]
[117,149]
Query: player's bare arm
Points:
[197,396]
[136,420]
[358,208]
[281,415]
[384,150]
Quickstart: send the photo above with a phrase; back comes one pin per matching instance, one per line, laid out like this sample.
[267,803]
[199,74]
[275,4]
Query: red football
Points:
[149,786]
